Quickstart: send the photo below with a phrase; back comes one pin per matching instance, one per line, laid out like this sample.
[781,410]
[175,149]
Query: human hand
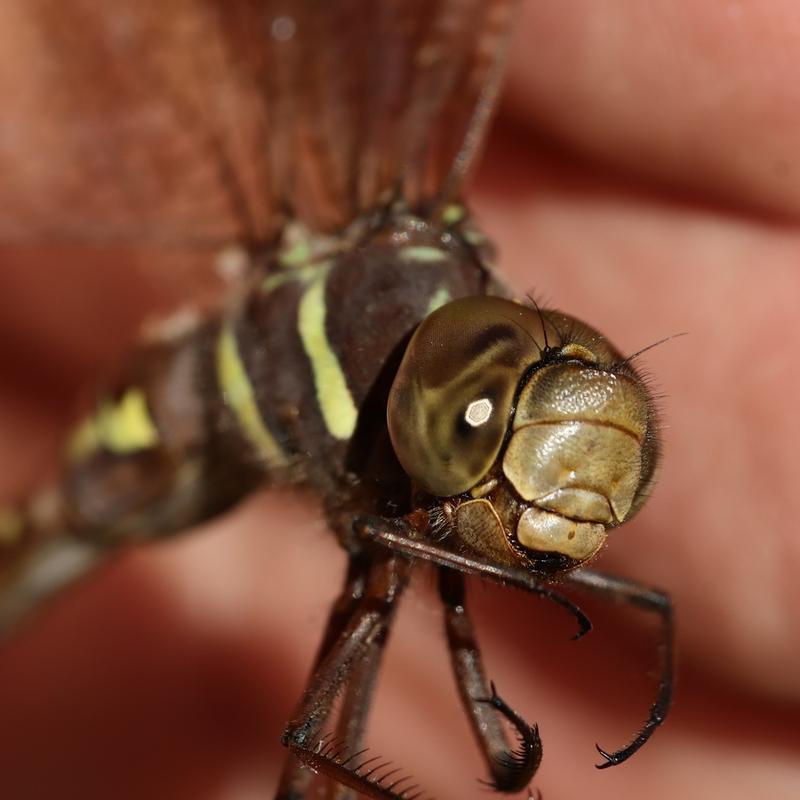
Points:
[643,201]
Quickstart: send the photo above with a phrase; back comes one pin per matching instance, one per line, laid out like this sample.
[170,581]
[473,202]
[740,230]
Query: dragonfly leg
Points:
[296,777]
[404,535]
[355,708]
[356,645]
[511,768]
[654,601]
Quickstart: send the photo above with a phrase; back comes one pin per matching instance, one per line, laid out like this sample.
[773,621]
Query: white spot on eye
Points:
[478,412]
[283,29]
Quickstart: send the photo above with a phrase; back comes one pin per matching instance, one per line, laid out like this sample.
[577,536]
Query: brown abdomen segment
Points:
[160,453]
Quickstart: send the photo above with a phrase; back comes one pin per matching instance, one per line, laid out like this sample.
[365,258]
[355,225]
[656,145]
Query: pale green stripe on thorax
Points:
[422,254]
[239,396]
[304,274]
[438,299]
[333,396]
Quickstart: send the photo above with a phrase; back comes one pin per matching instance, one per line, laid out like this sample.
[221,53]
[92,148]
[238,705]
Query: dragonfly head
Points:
[530,431]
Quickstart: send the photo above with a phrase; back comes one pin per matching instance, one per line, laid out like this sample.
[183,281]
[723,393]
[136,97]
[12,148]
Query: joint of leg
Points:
[295,735]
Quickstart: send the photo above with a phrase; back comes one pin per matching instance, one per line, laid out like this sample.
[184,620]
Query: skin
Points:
[642,176]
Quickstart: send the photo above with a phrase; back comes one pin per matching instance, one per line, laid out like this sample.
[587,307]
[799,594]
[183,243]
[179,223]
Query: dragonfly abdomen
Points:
[154,454]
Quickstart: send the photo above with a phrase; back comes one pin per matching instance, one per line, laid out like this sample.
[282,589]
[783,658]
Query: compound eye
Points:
[451,400]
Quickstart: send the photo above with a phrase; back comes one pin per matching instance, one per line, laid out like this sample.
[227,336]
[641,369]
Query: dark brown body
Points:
[378,284]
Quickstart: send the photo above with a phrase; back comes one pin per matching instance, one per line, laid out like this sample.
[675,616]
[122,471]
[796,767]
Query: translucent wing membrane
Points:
[199,122]
[376,99]
[124,121]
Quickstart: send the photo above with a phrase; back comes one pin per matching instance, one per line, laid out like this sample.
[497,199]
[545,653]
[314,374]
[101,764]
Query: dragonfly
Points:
[364,345]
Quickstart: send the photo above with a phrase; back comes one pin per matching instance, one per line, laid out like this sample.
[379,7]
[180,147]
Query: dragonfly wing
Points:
[124,122]
[379,100]
[193,124]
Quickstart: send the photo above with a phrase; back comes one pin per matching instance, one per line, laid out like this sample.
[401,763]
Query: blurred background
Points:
[642,175]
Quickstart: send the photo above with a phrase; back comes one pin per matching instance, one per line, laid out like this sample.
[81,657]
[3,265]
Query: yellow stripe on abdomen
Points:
[238,393]
[333,396]
[121,427]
